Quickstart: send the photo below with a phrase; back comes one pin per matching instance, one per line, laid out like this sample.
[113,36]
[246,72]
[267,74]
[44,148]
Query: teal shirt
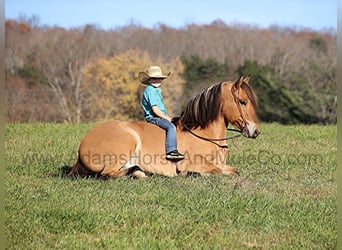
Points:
[152,97]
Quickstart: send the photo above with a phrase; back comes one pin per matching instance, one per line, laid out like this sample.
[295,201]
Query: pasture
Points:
[284,198]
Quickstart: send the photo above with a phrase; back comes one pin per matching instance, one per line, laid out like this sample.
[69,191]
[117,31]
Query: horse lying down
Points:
[120,148]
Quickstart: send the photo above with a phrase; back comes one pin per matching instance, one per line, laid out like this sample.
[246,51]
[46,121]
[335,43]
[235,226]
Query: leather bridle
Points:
[238,102]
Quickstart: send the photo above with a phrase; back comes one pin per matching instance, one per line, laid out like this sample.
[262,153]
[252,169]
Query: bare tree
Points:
[62,56]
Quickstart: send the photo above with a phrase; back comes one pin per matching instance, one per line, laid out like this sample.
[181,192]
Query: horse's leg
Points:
[202,165]
[229,170]
[208,165]
[212,169]
[113,171]
[222,158]
[139,174]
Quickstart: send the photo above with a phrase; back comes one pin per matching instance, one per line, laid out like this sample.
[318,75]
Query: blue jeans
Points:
[170,129]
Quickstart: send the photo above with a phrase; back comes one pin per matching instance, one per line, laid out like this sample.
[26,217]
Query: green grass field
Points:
[284,198]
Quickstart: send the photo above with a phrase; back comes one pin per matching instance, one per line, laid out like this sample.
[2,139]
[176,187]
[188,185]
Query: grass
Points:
[284,198]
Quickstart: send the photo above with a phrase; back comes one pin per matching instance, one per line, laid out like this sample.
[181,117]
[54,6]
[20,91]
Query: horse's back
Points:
[114,143]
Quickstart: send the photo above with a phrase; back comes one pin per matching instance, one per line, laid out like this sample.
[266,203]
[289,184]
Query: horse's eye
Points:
[243,102]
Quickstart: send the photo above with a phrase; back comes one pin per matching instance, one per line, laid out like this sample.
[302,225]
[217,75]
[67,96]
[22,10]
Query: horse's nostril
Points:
[257,132]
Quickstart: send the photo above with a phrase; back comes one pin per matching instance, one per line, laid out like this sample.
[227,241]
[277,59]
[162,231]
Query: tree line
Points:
[89,74]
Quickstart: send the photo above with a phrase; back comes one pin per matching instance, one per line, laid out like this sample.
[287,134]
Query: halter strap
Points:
[238,104]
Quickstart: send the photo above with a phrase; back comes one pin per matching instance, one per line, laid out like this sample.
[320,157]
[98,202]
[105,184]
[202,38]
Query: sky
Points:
[107,14]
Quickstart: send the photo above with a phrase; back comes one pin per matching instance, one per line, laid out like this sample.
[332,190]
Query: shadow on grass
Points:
[63,173]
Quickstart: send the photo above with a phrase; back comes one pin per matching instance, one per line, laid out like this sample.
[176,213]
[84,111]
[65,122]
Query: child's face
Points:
[156,80]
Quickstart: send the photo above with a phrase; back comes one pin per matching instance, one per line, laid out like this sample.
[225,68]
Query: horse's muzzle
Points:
[250,132]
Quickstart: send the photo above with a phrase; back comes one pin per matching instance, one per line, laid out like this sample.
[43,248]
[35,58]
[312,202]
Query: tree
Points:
[298,63]
[200,73]
[290,101]
[62,56]
[113,89]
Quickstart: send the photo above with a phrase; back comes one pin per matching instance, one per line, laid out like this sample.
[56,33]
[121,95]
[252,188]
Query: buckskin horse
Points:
[136,148]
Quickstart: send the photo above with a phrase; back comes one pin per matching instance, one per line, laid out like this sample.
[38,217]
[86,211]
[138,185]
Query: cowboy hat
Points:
[152,72]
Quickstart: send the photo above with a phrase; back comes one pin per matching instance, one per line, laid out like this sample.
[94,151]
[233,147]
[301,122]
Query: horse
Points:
[136,148]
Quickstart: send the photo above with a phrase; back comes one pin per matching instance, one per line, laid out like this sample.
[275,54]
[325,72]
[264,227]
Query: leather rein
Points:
[214,141]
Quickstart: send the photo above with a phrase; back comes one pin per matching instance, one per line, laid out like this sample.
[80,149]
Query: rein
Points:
[214,140]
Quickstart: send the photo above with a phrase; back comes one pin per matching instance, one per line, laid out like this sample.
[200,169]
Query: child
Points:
[155,110]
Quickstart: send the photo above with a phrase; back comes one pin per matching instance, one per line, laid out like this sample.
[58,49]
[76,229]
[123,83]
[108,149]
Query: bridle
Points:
[244,127]
[238,104]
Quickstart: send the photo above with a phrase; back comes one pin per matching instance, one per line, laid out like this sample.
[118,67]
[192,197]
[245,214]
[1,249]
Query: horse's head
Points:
[240,105]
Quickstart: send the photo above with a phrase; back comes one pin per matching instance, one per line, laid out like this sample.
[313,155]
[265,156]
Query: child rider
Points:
[155,110]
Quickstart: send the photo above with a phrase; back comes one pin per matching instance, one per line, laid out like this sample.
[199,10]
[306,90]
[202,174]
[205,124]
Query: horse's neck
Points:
[217,128]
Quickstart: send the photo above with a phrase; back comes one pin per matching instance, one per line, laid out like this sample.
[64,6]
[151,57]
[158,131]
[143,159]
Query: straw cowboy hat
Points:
[152,72]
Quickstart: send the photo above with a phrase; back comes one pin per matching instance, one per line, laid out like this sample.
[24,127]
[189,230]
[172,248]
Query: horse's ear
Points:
[238,83]
[247,78]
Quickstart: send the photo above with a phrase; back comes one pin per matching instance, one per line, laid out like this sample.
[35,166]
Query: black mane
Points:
[202,108]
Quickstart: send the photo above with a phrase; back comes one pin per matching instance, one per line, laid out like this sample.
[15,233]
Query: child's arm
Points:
[159,113]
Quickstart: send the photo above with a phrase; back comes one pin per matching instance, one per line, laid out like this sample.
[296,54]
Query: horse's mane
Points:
[204,107]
